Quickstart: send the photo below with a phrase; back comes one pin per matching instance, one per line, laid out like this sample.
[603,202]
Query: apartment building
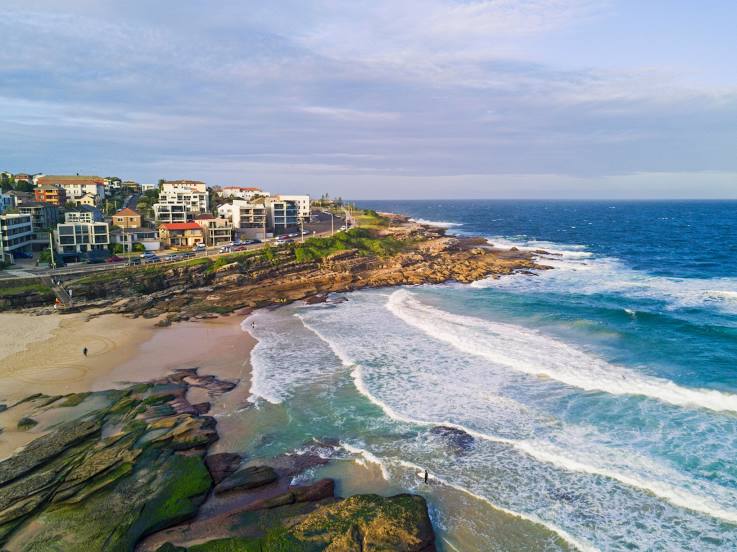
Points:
[43,215]
[84,214]
[302,202]
[51,193]
[240,192]
[16,235]
[183,185]
[76,186]
[195,201]
[216,230]
[80,238]
[250,220]
[282,215]
[167,214]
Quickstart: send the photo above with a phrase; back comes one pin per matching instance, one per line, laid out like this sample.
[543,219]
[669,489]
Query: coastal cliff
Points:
[401,253]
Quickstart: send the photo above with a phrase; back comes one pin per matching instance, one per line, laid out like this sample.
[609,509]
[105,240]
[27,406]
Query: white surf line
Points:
[677,497]
[368,456]
[570,539]
[536,355]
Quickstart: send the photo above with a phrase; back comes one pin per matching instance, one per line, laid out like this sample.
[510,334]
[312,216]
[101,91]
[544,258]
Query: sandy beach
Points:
[43,354]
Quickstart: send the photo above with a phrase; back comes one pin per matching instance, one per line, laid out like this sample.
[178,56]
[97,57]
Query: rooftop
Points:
[127,212]
[181,226]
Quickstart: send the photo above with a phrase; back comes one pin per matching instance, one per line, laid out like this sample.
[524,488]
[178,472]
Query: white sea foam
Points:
[570,539]
[438,223]
[531,352]
[367,456]
[579,271]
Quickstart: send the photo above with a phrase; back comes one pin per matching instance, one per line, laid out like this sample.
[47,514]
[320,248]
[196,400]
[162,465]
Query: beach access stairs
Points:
[61,294]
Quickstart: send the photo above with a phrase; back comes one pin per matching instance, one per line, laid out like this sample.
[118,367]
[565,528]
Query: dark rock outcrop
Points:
[221,465]
[247,478]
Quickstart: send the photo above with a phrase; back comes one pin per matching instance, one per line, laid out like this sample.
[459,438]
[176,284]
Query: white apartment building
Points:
[168,213]
[16,235]
[302,202]
[147,187]
[183,185]
[196,202]
[71,217]
[76,238]
[239,192]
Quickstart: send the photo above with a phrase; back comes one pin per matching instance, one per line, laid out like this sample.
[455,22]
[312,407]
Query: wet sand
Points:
[45,356]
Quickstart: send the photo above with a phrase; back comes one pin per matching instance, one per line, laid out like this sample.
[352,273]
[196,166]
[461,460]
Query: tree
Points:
[23,186]
[138,247]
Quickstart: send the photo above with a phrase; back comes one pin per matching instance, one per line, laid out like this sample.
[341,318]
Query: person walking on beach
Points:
[253,325]
[84,351]
[426,477]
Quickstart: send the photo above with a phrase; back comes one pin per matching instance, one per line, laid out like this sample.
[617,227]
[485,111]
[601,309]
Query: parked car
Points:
[147,254]
[186,255]
[114,259]
[23,255]
[134,261]
[199,247]
[151,259]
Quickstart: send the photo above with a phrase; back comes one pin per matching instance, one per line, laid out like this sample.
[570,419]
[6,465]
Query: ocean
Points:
[592,406]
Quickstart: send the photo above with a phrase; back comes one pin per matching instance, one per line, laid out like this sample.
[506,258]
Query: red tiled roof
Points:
[127,212]
[242,188]
[181,226]
[204,216]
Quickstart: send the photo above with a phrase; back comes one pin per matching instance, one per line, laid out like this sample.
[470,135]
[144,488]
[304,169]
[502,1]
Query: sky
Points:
[378,99]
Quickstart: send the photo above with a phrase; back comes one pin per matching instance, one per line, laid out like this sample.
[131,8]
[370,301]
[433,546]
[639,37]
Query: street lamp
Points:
[332,222]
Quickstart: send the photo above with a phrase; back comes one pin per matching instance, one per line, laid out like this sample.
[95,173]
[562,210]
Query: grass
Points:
[23,289]
[361,239]
[369,218]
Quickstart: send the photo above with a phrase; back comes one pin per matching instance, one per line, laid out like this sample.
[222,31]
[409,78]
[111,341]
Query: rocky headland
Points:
[131,470]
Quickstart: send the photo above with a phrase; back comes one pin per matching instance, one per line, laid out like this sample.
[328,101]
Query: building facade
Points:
[16,235]
[127,218]
[195,201]
[181,234]
[79,238]
[167,214]
[240,192]
[76,186]
[249,219]
[302,202]
[51,193]
[43,215]
[7,201]
[217,231]
[282,215]
[183,185]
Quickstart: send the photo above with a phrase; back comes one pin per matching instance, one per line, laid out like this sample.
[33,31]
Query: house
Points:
[85,199]
[43,215]
[127,218]
[51,193]
[75,239]
[147,187]
[217,230]
[166,213]
[302,202]
[16,235]
[249,219]
[76,186]
[148,237]
[7,201]
[195,201]
[240,192]
[225,211]
[181,234]
[23,177]
[22,197]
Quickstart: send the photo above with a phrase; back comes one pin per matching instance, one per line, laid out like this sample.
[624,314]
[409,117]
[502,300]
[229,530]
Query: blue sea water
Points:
[601,394]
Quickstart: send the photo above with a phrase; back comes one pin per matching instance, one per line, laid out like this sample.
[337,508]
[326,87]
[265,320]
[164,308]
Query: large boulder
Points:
[247,478]
[221,465]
